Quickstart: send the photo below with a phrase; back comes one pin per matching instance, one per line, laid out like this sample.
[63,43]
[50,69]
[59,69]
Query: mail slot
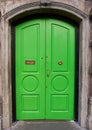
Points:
[29,62]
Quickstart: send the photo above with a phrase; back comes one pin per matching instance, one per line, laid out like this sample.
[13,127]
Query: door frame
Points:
[62,9]
[76,58]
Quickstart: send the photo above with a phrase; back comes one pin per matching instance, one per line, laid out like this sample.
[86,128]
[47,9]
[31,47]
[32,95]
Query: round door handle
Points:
[60,62]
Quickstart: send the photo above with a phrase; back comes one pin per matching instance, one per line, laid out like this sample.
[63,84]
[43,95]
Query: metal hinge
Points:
[45,2]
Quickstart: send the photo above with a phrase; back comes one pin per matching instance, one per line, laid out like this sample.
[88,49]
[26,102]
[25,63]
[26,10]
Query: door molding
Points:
[61,9]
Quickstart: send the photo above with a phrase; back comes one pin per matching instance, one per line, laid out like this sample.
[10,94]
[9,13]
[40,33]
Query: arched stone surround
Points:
[84,52]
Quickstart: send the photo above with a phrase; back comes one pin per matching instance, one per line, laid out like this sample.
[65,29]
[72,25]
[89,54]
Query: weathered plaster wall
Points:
[0,66]
[6,6]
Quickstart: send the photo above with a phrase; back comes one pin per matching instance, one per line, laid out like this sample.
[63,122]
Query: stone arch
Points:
[41,7]
[44,7]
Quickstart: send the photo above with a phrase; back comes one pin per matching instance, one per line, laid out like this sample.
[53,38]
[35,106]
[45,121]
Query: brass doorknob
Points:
[60,62]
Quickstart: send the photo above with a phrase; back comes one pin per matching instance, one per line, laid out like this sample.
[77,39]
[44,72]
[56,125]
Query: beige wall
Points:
[77,9]
[6,5]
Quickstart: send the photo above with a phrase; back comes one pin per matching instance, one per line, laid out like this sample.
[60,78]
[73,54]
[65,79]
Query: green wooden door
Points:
[45,69]
[60,69]
[30,70]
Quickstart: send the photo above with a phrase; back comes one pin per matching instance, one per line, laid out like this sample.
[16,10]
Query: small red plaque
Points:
[29,62]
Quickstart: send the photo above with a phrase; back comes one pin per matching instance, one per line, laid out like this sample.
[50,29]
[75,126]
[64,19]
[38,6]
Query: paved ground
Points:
[47,125]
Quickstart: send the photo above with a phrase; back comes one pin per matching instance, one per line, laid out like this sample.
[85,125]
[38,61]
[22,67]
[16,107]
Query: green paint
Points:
[45,70]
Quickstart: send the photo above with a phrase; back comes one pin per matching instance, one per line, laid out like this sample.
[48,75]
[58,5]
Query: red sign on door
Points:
[30,62]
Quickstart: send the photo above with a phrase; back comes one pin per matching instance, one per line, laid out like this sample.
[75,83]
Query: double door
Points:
[45,69]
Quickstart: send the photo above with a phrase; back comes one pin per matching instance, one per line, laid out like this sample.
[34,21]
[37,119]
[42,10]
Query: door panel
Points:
[45,69]
[60,63]
[30,70]
[59,38]
[30,47]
